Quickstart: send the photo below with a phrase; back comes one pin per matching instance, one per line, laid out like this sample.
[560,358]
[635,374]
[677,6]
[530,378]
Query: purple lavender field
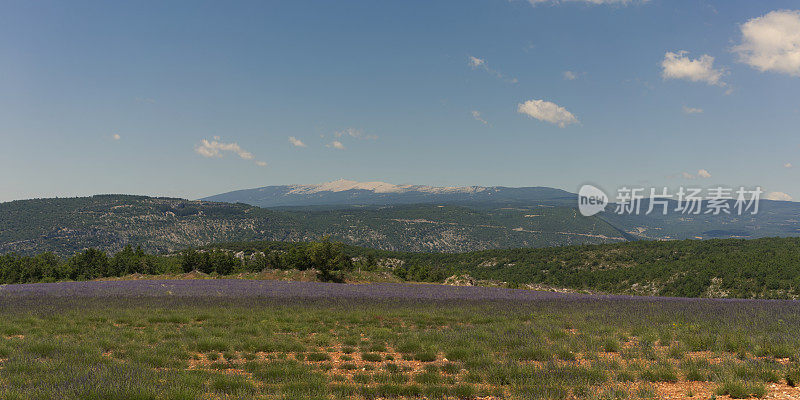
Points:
[239,288]
[272,289]
[228,338]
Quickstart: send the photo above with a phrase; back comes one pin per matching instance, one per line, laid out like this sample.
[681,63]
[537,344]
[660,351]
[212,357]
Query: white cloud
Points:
[479,63]
[703,174]
[570,76]
[296,142]
[477,116]
[787,165]
[692,110]
[216,149]
[354,133]
[547,111]
[680,66]
[336,145]
[772,42]
[116,136]
[476,62]
[778,196]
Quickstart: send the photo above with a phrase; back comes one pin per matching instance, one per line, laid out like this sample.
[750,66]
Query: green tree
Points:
[329,259]
[125,262]
[46,266]
[89,264]
[223,263]
[192,260]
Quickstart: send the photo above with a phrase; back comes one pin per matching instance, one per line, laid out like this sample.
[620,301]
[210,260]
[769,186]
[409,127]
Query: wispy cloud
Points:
[214,148]
[679,66]
[692,110]
[772,42]
[354,133]
[476,62]
[217,149]
[569,76]
[479,63]
[261,163]
[296,142]
[477,115]
[548,112]
[701,174]
[335,145]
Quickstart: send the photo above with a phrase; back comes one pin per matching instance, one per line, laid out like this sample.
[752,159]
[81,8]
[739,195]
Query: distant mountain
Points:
[347,192]
[109,222]
[776,218]
[442,220]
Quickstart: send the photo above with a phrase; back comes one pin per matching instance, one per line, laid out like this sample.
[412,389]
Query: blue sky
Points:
[116,97]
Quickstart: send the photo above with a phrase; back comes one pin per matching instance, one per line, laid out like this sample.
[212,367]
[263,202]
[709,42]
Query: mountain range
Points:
[776,218]
[373,214]
[347,192]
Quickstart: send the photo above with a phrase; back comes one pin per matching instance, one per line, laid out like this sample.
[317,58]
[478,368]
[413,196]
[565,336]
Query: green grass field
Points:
[219,347]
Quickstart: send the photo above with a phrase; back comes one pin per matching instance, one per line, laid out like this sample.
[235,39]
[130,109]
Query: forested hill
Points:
[109,222]
[722,268]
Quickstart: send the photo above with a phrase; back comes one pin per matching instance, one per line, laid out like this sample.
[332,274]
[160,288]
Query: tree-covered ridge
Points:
[755,268]
[326,257]
[727,268]
[739,268]
[158,225]
[109,222]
